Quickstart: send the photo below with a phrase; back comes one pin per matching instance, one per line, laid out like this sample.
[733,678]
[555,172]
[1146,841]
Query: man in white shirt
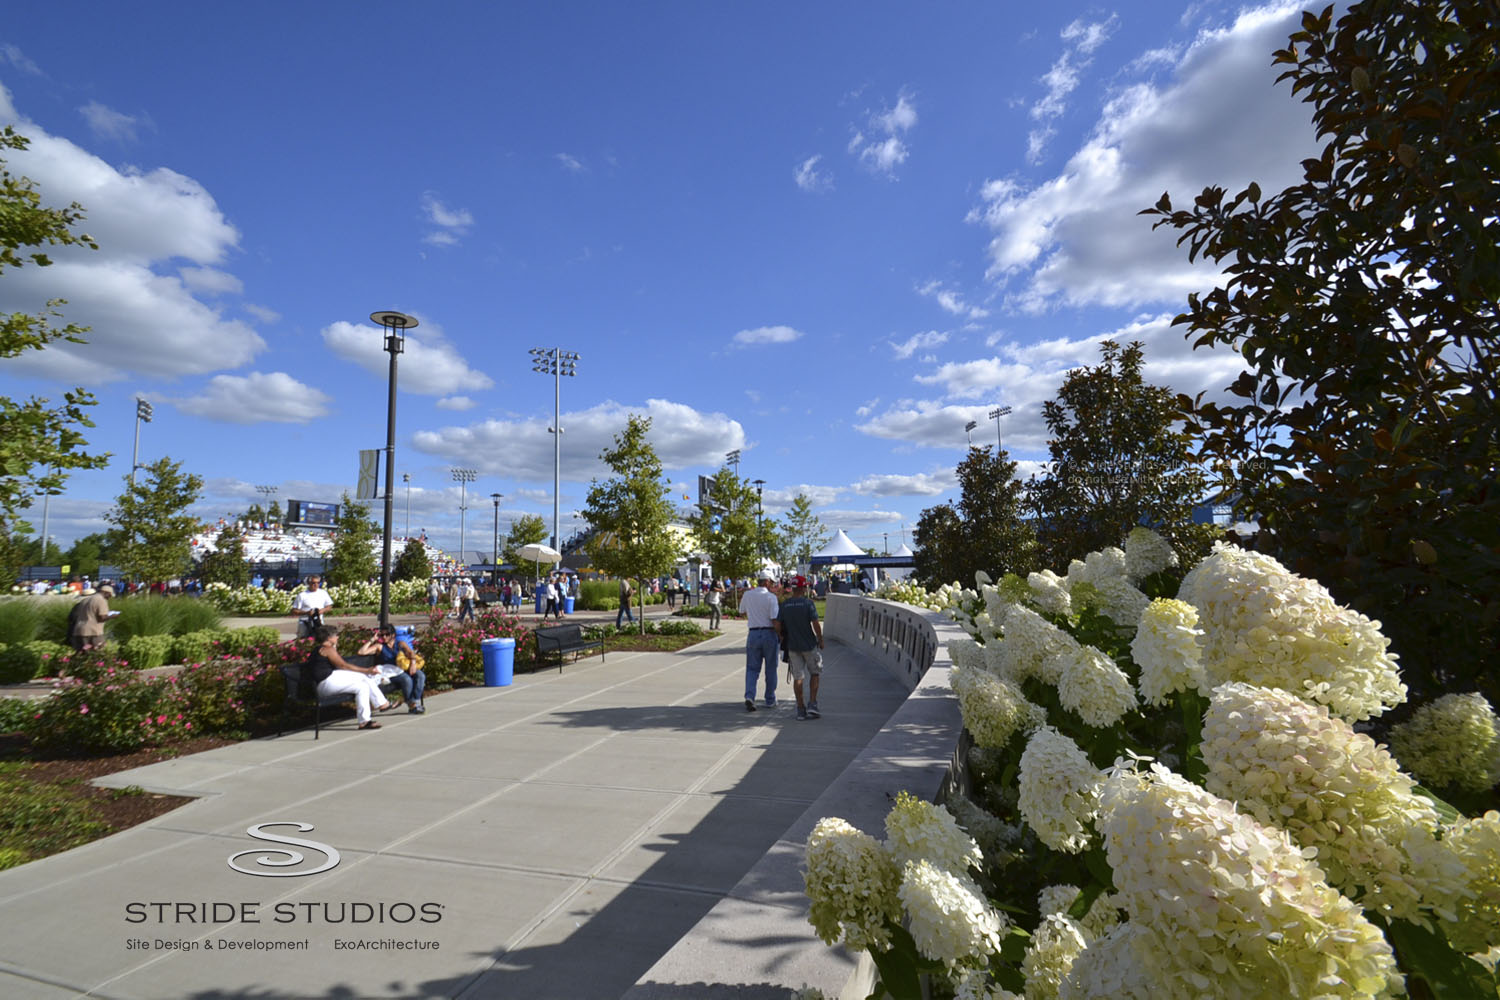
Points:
[761,610]
[310,604]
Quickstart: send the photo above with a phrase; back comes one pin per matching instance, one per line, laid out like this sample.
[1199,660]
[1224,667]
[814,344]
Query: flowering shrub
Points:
[451,648]
[21,661]
[1169,798]
[144,652]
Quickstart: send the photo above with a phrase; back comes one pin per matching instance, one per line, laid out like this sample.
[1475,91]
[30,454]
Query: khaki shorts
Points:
[804,663]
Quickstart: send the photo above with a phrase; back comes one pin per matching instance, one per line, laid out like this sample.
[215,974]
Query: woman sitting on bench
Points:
[334,676]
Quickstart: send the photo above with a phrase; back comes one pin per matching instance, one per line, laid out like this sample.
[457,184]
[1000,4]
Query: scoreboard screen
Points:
[306,514]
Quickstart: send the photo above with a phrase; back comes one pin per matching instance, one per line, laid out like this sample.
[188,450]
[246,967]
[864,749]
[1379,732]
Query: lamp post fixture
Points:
[394,325]
[969,431]
[143,414]
[760,527]
[406,478]
[495,558]
[556,362]
[995,415]
[733,458]
[269,493]
[463,477]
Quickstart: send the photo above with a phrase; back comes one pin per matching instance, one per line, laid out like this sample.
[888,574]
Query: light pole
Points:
[269,492]
[143,414]
[733,458]
[760,528]
[406,478]
[495,557]
[463,477]
[556,362]
[995,415]
[969,431]
[394,325]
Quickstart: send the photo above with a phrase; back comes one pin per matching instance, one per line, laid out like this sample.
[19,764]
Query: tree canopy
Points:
[524,530]
[985,531]
[353,558]
[1365,434]
[631,512]
[151,533]
[413,562]
[728,532]
[226,564]
[802,531]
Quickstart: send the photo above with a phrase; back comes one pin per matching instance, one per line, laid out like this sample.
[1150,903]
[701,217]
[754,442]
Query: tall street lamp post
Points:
[143,414]
[760,528]
[556,362]
[394,325]
[463,477]
[406,478]
[269,492]
[495,556]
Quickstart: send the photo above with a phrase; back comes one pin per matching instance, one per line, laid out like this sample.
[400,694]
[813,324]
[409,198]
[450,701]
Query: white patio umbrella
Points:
[539,553]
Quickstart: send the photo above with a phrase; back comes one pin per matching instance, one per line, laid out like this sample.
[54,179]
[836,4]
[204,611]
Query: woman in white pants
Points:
[335,675]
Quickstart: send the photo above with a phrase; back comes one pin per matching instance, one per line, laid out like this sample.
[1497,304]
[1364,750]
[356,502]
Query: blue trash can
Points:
[568,605]
[407,634]
[541,600]
[499,661]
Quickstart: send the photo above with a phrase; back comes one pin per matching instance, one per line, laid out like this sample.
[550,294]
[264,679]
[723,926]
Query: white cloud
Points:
[456,403]
[453,223]
[766,335]
[1077,238]
[107,123]
[926,422]
[779,501]
[810,178]
[260,397]
[572,164]
[917,342]
[921,484]
[430,366]
[211,280]
[522,449]
[1088,36]
[886,149]
[950,301]
[868,407]
[262,313]
[12,55]
[1063,77]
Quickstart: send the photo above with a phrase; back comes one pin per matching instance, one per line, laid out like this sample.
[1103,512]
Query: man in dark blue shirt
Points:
[802,638]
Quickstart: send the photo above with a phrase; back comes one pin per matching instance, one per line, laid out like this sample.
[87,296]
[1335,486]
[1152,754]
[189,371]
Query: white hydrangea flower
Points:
[1108,586]
[1452,741]
[1240,910]
[1105,564]
[993,709]
[1165,648]
[1267,626]
[1102,917]
[916,830]
[1111,967]
[1029,639]
[1050,592]
[993,835]
[1092,686]
[852,882]
[1476,842]
[948,917]
[1055,944]
[1058,790]
[975,984]
[965,653]
[1292,764]
[1146,553]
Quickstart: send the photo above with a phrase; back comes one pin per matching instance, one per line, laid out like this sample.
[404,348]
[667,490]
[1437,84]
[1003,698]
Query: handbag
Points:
[409,664]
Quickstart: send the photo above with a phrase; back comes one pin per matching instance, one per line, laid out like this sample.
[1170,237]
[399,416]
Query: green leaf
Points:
[1449,975]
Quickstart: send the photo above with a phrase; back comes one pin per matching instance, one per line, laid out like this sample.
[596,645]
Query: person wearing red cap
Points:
[802,638]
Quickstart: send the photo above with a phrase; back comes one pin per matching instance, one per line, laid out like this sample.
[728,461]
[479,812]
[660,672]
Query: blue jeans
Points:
[760,646]
[411,685]
[624,614]
[467,611]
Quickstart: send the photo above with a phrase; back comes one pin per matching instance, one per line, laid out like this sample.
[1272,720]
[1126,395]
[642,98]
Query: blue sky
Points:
[827,235]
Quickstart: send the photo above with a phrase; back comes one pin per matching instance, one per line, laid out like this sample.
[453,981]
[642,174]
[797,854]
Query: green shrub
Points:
[247,641]
[451,650]
[144,652]
[224,695]
[15,714]
[143,616]
[199,647]
[673,628]
[598,595]
[113,713]
[21,661]
[19,619]
[52,618]
[192,615]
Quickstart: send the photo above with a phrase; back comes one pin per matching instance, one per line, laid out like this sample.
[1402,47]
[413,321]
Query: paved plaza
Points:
[550,839]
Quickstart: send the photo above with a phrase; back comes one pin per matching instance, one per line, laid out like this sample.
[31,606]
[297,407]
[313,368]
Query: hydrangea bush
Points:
[1175,793]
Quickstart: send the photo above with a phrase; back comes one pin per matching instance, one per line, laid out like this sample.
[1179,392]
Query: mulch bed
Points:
[74,773]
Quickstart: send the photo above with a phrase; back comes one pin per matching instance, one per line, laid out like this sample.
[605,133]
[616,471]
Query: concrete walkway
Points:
[551,839]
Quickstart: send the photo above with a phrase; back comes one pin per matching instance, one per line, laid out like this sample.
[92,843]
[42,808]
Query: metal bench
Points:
[291,675]
[562,639]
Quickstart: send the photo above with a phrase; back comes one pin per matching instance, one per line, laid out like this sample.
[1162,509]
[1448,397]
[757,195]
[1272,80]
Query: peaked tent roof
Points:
[840,546]
[903,551]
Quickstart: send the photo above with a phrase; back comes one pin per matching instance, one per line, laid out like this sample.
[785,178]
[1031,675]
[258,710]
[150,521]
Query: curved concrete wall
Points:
[756,942]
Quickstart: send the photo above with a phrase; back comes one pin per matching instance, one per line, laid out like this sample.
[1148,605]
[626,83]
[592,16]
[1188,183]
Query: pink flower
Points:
[161,720]
[83,710]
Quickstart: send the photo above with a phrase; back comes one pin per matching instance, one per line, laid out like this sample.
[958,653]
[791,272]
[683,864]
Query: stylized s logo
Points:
[284,857]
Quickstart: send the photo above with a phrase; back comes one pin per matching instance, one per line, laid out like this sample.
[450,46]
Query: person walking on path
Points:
[761,610]
[311,604]
[802,636]
[715,605]
[467,594]
[86,620]
[625,614]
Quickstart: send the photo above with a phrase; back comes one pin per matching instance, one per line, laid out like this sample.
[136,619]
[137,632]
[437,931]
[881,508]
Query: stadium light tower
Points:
[733,458]
[995,415]
[556,362]
[969,431]
[394,325]
[463,477]
[143,414]
[406,478]
[495,552]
